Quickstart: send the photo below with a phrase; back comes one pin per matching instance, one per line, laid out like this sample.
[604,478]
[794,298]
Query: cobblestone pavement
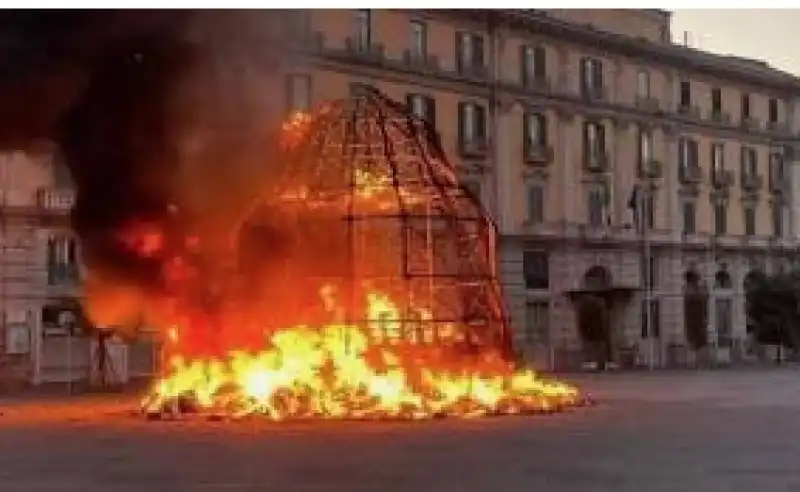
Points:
[691,431]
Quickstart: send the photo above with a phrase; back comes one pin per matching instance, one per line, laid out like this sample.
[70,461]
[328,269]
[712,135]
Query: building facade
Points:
[607,155]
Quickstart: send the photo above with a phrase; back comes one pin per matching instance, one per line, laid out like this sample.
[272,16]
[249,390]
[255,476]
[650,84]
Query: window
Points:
[535,131]
[777,220]
[594,140]
[649,211]
[689,217]
[720,218]
[299,93]
[749,219]
[536,269]
[688,153]
[422,106]
[773,110]
[534,64]
[649,272]
[749,162]
[717,159]
[745,106]
[419,40]
[535,212]
[62,260]
[686,94]
[592,77]
[363,30]
[597,206]
[472,124]
[716,101]
[537,323]
[645,148]
[776,170]
[469,54]
[724,322]
[643,85]
[651,325]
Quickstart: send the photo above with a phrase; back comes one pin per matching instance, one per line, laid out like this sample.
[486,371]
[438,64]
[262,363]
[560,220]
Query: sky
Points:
[768,34]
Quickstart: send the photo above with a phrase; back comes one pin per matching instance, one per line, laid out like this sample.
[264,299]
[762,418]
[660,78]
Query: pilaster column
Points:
[567,155]
[506,166]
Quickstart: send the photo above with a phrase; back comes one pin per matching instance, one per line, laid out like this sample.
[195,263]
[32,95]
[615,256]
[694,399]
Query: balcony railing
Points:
[55,200]
[539,83]
[751,182]
[538,154]
[651,169]
[778,127]
[722,179]
[721,117]
[750,123]
[690,111]
[690,174]
[473,148]
[596,161]
[593,92]
[420,61]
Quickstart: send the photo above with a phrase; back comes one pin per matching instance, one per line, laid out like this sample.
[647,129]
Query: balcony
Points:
[375,52]
[691,111]
[651,169]
[475,148]
[750,123]
[539,83]
[751,183]
[722,179]
[593,93]
[538,154]
[55,200]
[63,275]
[596,161]
[650,104]
[473,70]
[778,127]
[721,117]
[690,174]
[421,62]
[777,184]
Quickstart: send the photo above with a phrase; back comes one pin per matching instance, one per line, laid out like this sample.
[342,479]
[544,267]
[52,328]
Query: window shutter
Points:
[459,51]
[477,53]
[289,93]
[586,149]
[584,86]
[694,150]
[601,137]
[539,61]
[430,108]
[542,129]
[524,64]
[480,121]
[461,121]
[743,162]
[597,76]
[526,132]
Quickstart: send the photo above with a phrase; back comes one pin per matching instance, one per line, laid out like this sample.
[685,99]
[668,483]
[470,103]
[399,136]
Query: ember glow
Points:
[361,285]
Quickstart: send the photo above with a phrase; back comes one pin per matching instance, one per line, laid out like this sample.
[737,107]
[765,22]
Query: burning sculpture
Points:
[361,283]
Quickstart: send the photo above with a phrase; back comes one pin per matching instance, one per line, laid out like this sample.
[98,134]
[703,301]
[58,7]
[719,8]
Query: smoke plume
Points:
[165,120]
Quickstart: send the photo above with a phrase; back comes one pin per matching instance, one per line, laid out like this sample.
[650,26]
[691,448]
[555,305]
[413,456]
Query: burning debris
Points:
[364,287]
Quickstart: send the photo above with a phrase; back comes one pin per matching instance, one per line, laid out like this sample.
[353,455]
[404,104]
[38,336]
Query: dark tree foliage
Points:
[772,309]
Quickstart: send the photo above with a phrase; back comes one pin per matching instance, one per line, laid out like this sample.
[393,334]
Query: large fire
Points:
[380,299]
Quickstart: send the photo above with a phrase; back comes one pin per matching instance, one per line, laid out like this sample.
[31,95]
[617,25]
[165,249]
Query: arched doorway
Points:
[594,316]
[695,311]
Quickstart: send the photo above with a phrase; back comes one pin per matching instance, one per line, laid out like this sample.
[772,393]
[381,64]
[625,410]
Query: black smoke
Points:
[161,117]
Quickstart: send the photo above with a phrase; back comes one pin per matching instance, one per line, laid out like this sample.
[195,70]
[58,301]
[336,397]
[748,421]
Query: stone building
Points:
[556,118]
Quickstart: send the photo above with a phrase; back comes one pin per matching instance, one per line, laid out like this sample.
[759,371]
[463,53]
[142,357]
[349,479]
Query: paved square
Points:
[689,431]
